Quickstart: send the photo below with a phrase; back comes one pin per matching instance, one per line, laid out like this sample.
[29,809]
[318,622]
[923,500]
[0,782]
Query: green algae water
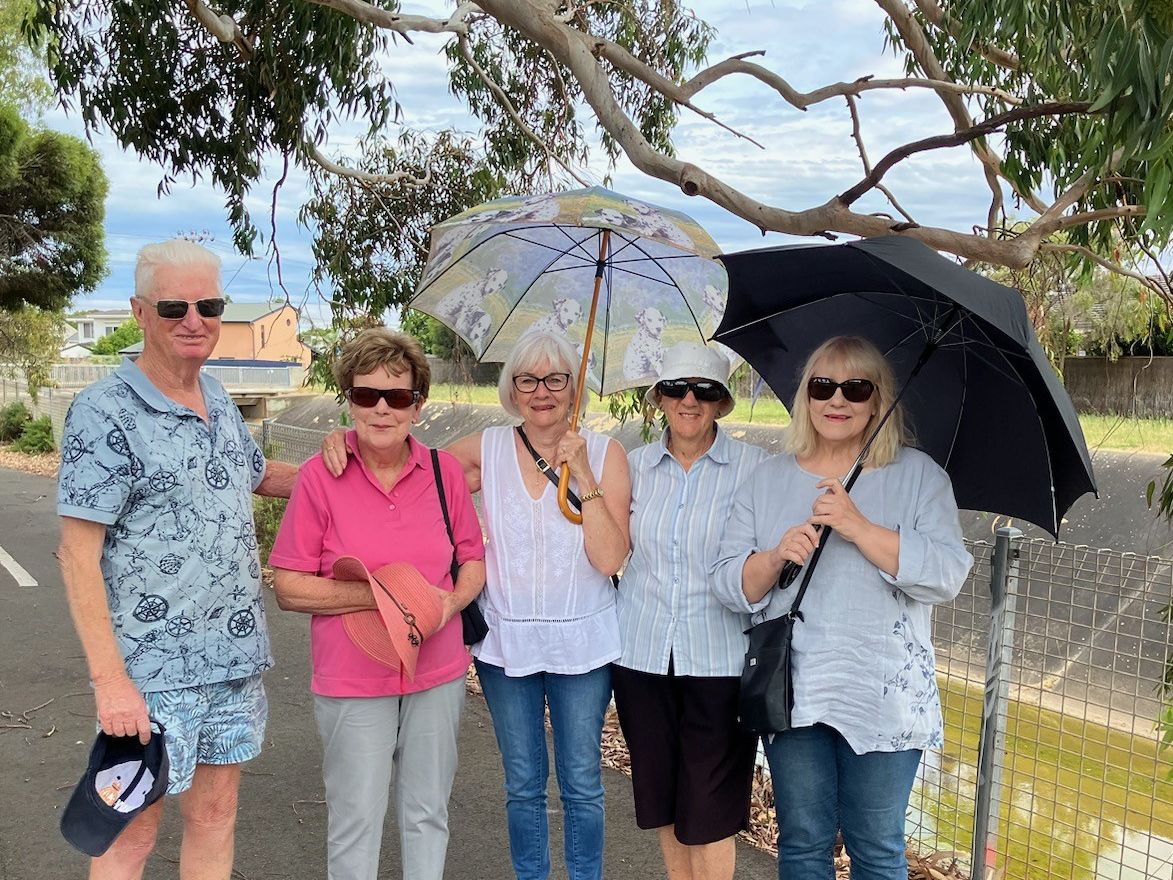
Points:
[1079,801]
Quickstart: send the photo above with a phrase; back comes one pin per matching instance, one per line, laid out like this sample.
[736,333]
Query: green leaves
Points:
[371,240]
[53,193]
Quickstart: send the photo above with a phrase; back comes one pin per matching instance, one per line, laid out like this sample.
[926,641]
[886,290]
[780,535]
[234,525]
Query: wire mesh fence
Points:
[1081,787]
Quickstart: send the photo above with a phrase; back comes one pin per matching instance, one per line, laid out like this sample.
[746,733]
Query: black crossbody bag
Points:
[766,698]
[552,476]
[472,621]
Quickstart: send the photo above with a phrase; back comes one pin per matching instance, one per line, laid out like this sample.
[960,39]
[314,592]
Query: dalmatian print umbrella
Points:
[520,265]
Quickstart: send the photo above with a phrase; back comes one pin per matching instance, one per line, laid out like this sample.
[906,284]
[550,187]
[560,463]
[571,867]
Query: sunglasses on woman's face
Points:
[397,398]
[176,309]
[854,390]
[677,389]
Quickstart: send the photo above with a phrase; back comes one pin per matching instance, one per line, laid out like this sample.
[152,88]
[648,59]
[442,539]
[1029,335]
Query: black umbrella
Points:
[984,403]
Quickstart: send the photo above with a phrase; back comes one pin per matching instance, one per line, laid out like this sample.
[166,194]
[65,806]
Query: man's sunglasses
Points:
[176,309]
[397,398]
[854,390]
[677,389]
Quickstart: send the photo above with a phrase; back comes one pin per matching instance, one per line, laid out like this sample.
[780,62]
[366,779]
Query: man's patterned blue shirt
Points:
[180,556]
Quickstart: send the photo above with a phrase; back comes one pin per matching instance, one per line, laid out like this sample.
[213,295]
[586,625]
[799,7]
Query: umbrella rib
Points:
[521,296]
[822,301]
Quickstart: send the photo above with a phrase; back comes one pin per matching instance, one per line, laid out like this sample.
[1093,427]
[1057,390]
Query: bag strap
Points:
[544,467]
[552,476]
[455,567]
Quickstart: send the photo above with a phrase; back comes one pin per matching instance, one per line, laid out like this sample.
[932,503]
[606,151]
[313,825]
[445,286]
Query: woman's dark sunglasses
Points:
[176,309]
[527,384]
[854,390]
[397,398]
[709,392]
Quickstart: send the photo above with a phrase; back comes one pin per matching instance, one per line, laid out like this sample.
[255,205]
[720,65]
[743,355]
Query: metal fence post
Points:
[992,745]
[266,436]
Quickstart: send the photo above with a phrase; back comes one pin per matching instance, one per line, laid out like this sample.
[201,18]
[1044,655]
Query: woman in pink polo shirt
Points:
[549,599]
[374,720]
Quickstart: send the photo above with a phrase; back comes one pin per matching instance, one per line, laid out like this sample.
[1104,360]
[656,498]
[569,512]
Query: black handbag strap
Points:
[455,567]
[552,476]
[544,467]
[788,574]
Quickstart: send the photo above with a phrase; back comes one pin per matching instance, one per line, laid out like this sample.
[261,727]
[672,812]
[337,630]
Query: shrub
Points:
[13,418]
[267,513]
[37,437]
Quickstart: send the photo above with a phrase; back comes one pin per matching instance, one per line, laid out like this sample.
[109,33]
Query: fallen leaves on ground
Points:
[42,465]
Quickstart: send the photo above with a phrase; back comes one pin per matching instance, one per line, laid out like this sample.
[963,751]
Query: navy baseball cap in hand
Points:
[123,778]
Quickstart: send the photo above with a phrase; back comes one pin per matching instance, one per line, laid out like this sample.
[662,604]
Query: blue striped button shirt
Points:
[667,607]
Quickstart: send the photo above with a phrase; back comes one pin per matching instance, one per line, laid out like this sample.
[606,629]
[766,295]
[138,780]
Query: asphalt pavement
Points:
[281,825]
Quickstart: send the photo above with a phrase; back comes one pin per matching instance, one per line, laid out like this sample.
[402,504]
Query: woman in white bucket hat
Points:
[676,682]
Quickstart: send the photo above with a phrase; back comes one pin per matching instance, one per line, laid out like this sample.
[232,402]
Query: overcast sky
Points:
[809,157]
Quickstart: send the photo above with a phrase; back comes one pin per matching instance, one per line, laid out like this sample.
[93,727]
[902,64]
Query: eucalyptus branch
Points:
[405,177]
[939,18]
[623,60]
[507,105]
[360,10]
[918,44]
[1148,282]
[857,136]
[803,100]
[957,139]
[223,27]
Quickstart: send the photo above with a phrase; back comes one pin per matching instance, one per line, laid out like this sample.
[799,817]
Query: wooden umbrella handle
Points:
[580,387]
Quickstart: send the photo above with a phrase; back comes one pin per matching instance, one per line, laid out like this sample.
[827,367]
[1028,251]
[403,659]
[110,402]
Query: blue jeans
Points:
[821,787]
[577,706]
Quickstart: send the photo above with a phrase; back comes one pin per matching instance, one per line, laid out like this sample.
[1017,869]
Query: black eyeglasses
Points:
[176,309]
[397,398]
[677,389]
[527,384]
[854,390]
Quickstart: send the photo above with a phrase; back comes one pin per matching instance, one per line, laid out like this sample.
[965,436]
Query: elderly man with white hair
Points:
[159,557]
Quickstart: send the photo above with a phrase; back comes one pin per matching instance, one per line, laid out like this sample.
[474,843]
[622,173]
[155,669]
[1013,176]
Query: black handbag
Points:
[472,621]
[766,698]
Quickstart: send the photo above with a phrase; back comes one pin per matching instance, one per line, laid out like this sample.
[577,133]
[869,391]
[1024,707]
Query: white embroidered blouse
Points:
[548,609]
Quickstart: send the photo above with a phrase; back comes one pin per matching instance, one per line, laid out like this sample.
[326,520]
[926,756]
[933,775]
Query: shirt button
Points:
[390,506]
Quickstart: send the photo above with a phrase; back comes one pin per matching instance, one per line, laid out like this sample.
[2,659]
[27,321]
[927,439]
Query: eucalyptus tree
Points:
[1065,103]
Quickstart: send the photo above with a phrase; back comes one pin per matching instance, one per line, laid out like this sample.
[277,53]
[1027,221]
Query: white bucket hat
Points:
[688,360]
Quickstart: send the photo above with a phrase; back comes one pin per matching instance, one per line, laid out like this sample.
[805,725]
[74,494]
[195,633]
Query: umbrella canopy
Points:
[520,264]
[986,405]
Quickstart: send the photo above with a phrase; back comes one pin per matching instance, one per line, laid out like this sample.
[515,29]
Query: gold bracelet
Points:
[596,492]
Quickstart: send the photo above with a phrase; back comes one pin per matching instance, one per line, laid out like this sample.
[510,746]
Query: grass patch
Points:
[1101,432]
[1130,435]
[1071,789]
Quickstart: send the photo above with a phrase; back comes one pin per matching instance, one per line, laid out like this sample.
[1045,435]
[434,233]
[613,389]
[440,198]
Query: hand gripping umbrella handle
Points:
[563,500]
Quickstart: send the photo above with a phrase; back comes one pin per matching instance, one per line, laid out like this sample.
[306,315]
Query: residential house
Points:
[83,329]
[255,333]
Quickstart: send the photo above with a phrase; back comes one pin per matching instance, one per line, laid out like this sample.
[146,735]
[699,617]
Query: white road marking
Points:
[22,577]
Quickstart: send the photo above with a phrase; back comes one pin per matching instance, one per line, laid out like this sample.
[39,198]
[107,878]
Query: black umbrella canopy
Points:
[986,405]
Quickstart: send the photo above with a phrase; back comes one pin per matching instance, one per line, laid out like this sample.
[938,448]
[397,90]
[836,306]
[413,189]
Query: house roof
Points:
[119,314]
[248,313]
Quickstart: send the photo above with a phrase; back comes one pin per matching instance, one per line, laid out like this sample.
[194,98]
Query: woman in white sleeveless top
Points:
[549,602]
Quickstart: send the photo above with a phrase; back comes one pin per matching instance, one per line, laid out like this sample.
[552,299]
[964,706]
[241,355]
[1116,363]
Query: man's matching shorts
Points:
[222,723]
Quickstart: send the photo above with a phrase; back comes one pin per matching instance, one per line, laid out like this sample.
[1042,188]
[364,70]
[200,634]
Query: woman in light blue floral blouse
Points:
[865,690]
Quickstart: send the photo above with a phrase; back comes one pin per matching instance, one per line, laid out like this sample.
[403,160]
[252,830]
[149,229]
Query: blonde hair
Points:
[380,347]
[533,348]
[176,252]
[863,361]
